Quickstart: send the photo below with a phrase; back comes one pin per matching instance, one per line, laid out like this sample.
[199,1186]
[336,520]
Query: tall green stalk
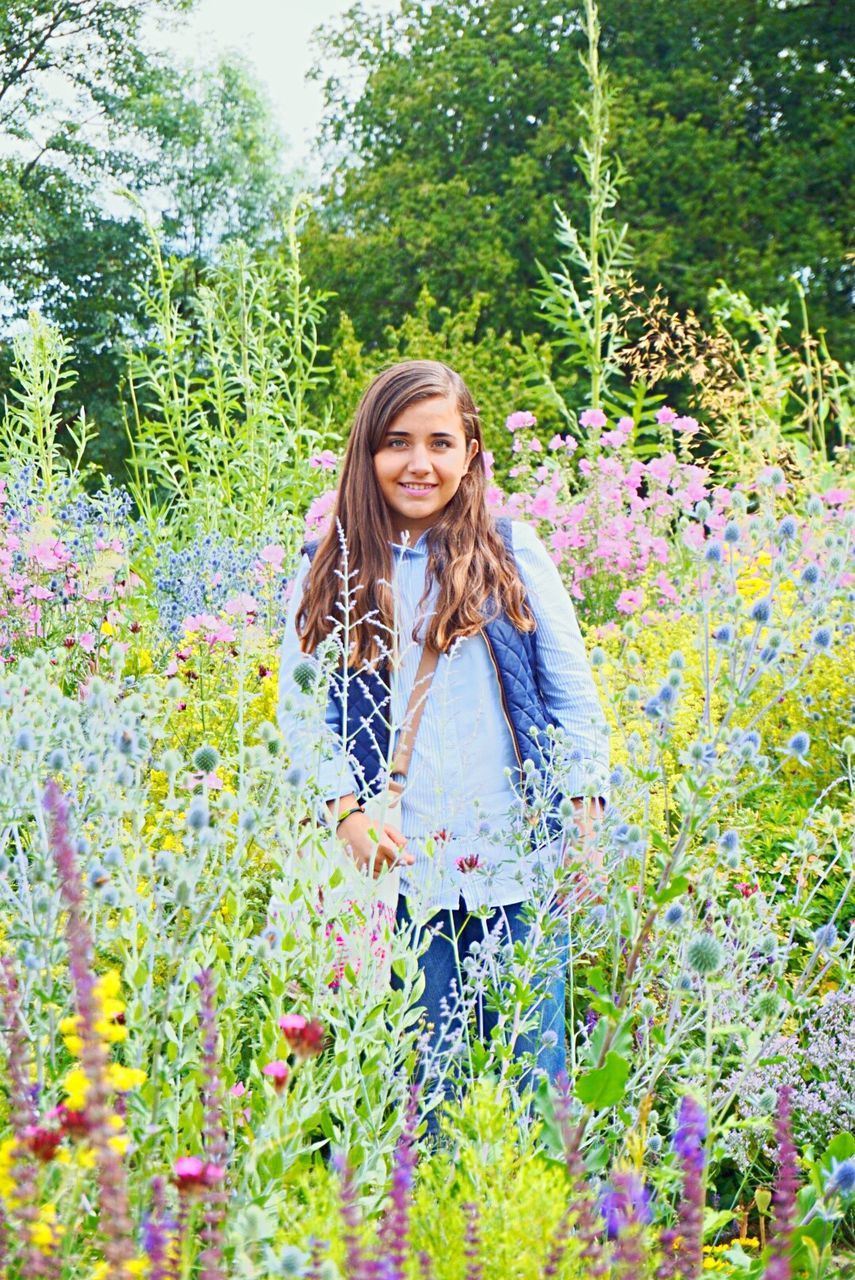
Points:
[577,297]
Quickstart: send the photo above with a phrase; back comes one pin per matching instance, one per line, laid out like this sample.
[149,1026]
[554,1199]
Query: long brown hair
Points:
[466,554]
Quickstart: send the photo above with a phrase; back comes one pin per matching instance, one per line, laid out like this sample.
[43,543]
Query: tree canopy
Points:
[452,129]
[87,110]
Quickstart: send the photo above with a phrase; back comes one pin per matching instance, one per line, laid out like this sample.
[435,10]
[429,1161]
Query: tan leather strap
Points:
[413,718]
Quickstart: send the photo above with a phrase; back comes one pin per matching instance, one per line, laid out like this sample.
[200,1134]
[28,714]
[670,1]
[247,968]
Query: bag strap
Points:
[413,718]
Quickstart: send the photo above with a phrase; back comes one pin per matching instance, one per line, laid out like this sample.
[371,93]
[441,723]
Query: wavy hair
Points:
[467,557]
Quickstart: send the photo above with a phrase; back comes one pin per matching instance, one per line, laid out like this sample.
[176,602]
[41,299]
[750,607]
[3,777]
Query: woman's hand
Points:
[369,853]
[583,857]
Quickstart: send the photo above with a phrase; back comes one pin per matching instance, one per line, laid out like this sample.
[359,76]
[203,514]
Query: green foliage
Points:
[581,315]
[464,130]
[88,108]
[28,431]
[500,373]
[222,429]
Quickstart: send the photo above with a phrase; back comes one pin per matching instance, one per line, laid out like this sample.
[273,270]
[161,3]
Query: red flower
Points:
[470,862]
[42,1142]
[305,1038]
[73,1123]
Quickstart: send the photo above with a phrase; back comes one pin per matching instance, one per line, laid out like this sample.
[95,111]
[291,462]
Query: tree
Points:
[87,109]
[463,128]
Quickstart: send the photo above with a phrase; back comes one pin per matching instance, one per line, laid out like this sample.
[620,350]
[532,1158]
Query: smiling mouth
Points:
[418,488]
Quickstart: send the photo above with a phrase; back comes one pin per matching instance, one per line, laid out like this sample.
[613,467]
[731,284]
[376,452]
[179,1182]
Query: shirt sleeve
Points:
[563,671]
[310,730]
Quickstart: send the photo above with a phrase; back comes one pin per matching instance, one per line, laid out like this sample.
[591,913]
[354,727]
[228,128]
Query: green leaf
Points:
[604,1086]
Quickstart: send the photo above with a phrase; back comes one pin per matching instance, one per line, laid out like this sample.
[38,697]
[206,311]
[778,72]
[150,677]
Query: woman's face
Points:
[421,462]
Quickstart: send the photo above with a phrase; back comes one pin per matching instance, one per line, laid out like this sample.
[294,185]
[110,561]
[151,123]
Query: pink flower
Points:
[320,510]
[199,622]
[520,420]
[571,444]
[557,442]
[543,506]
[629,600]
[535,445]
[517,446]
[614,439]
[278,1073]
[241,606]
[41,593]
[49,555]
[660,468]
[489,459]
[469,862]
[665,415]
[192,1173]
[836,497]
[222,633]
[87,641]
[686,426]
[663,584]
[325,461]
[592,418]
[305,1037]
[273,555]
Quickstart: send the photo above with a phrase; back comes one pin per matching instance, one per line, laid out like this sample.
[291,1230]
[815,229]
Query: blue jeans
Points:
[440,964]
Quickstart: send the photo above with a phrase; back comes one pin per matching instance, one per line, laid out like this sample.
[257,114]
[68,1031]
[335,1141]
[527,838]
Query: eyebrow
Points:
[434,435]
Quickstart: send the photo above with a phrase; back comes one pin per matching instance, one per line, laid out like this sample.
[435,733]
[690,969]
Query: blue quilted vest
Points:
[513,654]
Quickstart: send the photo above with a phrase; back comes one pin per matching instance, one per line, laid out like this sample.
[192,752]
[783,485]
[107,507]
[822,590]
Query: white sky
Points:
[274,37]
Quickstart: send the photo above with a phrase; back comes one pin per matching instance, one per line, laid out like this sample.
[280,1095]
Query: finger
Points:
[393,857]
[395,835]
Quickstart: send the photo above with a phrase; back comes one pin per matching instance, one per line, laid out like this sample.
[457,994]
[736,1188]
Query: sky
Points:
[274,37]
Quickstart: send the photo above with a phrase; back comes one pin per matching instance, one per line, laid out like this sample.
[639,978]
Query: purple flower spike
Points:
[691,1132]
[690,1135]
[626,1209]
[395,1231]
[472,1249]
[216,1147]
[779,1266]
[624,1204]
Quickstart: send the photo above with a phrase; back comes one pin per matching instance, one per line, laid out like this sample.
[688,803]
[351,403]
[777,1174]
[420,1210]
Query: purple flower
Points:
[625,1204]
[691,1131]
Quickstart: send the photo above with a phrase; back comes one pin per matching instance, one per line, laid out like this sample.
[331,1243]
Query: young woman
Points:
[425,564]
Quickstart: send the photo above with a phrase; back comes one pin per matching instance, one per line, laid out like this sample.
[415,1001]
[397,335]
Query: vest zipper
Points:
[504,702]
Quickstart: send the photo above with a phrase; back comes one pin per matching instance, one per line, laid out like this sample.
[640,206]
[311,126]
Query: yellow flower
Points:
[120,1143]
[76,1088]
[107,628]
[7,1159]
[45,1233]
[136,1267]
[122,1079]
[109,986]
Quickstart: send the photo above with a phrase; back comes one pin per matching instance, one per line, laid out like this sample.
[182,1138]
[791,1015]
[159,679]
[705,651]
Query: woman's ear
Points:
[471,451]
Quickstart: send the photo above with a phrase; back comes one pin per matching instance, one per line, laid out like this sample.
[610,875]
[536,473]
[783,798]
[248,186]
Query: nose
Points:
[419,463]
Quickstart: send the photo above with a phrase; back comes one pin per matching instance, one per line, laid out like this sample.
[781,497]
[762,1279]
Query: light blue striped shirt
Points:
[457,781]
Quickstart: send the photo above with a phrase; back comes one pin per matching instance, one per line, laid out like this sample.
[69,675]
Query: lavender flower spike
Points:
[211,1258]
[115,1214]
[689,1138]
[472,1248]
[395,1231]
[779,1266]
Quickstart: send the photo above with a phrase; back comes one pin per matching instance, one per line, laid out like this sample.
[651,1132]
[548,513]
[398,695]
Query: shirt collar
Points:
[419,547]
